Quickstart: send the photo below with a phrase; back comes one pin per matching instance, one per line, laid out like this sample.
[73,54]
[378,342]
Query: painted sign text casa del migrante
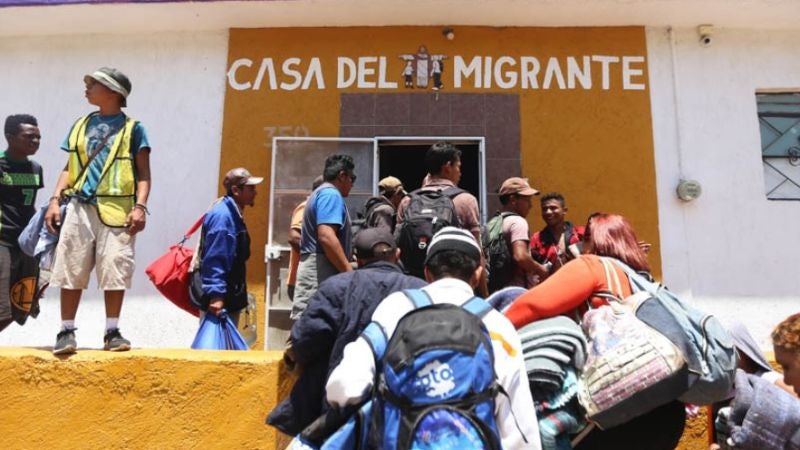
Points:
[604,72]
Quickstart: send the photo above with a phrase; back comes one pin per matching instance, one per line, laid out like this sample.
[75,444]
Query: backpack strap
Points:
[418,297]
[567,235]
[376,338]
[452,191]
[477,306]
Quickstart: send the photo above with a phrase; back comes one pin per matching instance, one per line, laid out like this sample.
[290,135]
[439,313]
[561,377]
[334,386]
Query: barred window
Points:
[779,120]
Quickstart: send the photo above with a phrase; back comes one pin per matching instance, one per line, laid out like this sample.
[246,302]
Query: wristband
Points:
[142,207]
[55,197]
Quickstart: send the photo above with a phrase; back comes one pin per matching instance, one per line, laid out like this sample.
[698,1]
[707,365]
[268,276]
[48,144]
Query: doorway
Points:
[404,158]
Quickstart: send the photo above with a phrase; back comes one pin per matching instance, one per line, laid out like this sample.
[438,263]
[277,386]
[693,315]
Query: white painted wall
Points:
[178,89]
[732,251]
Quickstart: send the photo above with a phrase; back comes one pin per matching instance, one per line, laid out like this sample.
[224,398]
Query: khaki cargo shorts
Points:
[86,243]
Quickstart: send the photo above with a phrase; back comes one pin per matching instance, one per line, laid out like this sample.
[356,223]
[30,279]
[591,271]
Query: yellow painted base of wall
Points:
[151,399]
[156,399]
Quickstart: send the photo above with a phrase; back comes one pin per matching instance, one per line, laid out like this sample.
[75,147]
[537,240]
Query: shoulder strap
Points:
[418,297]
[567,235]
[452,191]
[612,278]
[637,281]
[477,306]
[376,338]
[193,229]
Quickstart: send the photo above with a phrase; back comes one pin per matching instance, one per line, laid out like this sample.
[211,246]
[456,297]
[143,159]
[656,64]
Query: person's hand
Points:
[135,221]
[52,218]
[714,447]
[215,306]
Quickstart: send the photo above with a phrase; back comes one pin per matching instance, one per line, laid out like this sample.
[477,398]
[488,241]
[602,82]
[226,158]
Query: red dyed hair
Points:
[612,235]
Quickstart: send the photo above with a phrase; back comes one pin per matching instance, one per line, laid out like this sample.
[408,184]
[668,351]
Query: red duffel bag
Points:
[170,272]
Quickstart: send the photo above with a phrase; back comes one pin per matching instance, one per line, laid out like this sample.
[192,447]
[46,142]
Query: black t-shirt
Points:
[19,181]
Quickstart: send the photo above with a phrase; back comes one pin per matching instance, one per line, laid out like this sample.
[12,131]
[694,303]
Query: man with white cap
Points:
[452,266]
[107,183]
[225,247]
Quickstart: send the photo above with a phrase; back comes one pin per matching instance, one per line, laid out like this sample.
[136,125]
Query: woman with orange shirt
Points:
[569,291]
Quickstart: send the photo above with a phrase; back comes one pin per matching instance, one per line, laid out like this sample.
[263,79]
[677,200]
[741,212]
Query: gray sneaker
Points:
[114,341]
[65,343]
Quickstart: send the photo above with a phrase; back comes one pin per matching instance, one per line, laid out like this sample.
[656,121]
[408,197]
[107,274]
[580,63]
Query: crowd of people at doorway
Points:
[554,278]
[365,333]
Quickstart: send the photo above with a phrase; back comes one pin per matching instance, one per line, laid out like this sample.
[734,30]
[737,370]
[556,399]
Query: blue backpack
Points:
[436,384]
[706,345]
[345,429]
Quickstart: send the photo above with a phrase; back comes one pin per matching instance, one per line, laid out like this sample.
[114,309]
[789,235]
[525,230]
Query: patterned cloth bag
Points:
[631,368]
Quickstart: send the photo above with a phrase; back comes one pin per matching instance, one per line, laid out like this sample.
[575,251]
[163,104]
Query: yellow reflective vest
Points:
[116,190]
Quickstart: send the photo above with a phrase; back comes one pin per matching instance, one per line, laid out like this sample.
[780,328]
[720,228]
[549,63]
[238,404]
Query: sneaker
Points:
[65,343]
[114,341]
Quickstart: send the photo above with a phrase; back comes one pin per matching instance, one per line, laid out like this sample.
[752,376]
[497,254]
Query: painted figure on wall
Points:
[421,66]
[408,75]
[437,65]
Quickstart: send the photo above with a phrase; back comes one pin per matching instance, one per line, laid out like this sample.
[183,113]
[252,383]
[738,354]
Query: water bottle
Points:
[249,331]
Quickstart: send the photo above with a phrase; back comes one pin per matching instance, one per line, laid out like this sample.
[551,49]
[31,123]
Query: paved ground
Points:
[148,322]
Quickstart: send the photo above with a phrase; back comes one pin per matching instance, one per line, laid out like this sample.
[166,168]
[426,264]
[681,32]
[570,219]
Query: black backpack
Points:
[372,218]
[428,211]
[498,256]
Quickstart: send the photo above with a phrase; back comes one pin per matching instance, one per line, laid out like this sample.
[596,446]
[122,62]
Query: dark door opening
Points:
[406,161]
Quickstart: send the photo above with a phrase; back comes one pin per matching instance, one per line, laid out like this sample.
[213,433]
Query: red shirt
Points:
[544,246]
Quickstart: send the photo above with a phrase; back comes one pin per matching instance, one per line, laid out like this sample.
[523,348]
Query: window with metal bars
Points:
[779,121]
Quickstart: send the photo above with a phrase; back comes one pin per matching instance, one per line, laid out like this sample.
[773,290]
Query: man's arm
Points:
[516,416]
[219,252]
[52,217]
[522,258]
[314,334]
[136,218]
[329,241]
[294,239]
[352,379]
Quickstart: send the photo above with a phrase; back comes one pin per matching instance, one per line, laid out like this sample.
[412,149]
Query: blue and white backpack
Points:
[436,384]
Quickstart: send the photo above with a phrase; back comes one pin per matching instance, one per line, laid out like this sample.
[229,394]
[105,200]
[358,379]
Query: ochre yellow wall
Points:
[165,399]
[595,146]
[143,399]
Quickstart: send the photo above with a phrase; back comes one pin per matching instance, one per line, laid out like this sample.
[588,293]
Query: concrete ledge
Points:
[161,399]
[138,399]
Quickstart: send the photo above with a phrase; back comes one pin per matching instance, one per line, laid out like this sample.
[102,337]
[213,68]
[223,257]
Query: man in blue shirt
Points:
[225,247]
[325,244]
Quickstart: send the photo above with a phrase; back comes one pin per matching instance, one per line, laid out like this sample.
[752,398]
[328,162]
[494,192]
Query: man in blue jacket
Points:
[225,247]
[336,315]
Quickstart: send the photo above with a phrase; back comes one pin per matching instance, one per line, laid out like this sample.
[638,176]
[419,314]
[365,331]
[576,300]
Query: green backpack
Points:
[499,260]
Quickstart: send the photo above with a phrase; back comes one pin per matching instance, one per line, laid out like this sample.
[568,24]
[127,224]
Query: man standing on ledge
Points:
[20,178]
[107,182]
[325,245]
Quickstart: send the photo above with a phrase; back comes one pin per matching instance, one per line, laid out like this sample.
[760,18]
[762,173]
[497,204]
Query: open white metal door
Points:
[295,164]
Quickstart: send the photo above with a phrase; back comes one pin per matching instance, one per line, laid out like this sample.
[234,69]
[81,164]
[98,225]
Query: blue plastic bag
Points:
[218,333]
